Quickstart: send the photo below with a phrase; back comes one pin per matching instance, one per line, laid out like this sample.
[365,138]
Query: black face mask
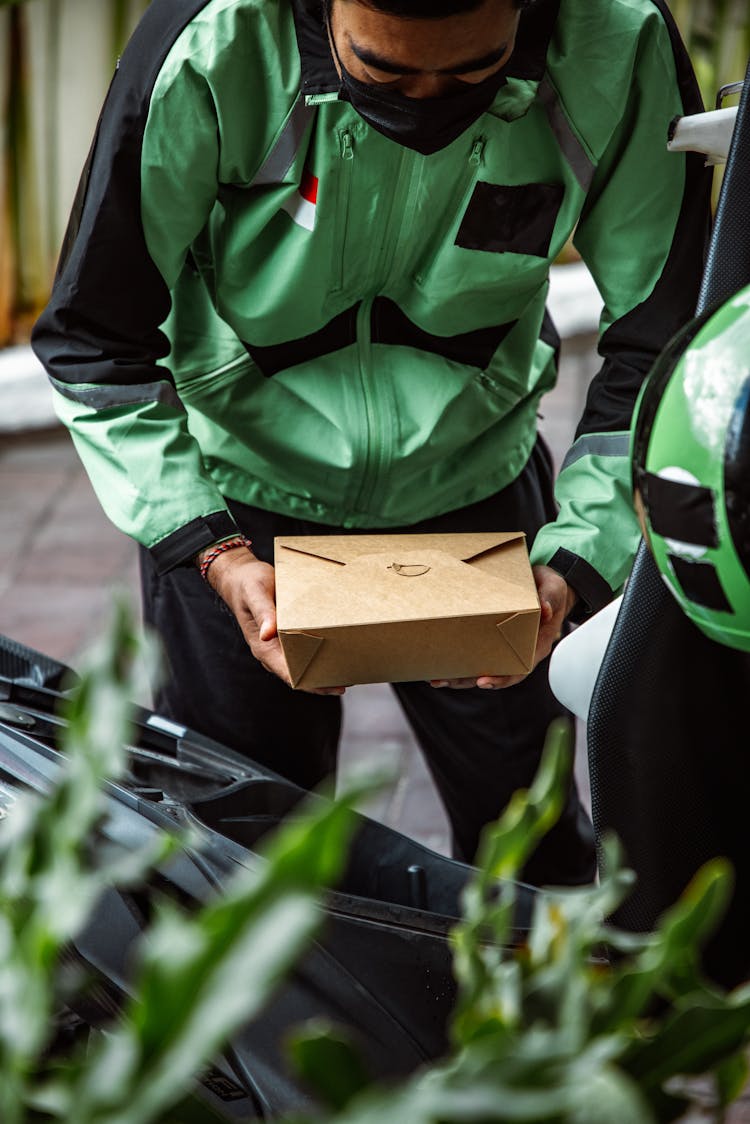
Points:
[423,124]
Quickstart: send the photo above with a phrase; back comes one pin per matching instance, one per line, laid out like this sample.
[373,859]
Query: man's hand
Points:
[557,600]
[248,586]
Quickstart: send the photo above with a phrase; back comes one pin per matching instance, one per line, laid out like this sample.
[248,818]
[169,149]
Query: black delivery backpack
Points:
[381,966]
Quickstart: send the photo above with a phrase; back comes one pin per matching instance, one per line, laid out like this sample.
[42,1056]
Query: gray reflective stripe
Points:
[572,149]
[279,160]
[102,397]
[598,445]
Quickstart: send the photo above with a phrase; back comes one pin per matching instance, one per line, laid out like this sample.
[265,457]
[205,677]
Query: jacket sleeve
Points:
[99,337]
[642,233]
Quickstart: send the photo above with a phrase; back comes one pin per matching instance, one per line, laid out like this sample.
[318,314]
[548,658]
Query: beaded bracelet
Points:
[213,554]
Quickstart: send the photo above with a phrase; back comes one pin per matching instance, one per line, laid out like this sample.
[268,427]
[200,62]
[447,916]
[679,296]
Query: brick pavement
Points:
[61,559]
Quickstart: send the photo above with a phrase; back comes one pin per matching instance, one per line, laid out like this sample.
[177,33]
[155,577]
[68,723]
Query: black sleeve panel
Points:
[101,323]
[631,344]
[180,548]
[593,592]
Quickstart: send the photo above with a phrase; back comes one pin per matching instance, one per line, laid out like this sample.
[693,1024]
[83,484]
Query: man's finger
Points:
[498,682]
[272,658]
[487,682]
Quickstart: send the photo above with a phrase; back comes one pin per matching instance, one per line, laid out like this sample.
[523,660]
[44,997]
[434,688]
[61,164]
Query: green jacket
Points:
[261,298]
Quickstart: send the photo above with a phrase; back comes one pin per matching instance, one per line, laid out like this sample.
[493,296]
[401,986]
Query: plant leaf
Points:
[204,976]
[327,1060]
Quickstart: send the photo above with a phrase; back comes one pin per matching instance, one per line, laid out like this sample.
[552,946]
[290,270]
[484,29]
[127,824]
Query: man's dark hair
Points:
[432,9]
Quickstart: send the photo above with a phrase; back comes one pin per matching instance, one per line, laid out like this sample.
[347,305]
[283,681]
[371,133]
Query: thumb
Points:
[547,610]
[263,608]
[551,589]
[268,625]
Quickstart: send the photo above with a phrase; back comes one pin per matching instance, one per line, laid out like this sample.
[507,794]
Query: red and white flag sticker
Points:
[301,206]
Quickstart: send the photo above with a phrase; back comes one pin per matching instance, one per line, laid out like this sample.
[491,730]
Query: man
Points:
[304,288]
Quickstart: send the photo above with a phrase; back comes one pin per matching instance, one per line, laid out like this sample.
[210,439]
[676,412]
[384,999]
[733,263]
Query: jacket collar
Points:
[535,28]
[319,74]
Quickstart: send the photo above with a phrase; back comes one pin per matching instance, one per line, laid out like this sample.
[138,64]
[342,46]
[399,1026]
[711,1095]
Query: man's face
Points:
[423,58]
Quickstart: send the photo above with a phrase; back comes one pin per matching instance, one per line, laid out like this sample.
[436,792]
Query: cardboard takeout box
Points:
[395,608]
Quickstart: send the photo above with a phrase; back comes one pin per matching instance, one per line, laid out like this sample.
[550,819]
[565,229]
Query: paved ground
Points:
[60,560]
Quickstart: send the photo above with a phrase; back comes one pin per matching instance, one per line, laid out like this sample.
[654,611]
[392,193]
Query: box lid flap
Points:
[401,584]
[345,548]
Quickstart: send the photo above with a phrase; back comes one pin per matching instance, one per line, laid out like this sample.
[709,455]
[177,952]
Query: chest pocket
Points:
[517,219]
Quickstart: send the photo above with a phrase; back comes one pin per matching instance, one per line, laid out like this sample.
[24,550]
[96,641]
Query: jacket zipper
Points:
[407,190]
[374,391]
[458,202]
[371,448]
[343,198]
[393,224]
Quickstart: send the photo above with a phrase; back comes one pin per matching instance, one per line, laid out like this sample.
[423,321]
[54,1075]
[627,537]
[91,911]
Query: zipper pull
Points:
[477,152]
[347,148]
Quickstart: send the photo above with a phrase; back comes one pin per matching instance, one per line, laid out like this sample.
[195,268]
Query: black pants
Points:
[480,745]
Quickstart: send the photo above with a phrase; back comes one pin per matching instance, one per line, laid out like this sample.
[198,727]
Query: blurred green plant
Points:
[185,1000]
[717,36]
[584,1024]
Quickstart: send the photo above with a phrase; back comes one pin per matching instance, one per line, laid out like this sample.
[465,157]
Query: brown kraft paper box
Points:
[395,608]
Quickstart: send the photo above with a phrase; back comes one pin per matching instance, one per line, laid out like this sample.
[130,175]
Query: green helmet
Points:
[691,469]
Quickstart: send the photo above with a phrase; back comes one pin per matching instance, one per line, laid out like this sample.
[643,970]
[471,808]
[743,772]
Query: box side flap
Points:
[300,649]
[519,631]
[405,651]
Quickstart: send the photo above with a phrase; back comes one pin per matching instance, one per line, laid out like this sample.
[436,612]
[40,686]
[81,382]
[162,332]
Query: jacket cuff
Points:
[593,591]
[179,548]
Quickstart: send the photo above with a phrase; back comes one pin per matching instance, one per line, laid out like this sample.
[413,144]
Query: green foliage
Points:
[44,854]
[186,1000]
[717,35]
[582,1024]
[332,1066]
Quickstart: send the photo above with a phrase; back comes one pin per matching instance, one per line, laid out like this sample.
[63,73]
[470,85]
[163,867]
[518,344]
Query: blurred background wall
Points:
[57,58]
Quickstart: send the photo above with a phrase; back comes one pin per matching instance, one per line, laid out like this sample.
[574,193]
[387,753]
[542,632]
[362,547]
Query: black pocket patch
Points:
[511,220]
[680,511]
[700,583]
